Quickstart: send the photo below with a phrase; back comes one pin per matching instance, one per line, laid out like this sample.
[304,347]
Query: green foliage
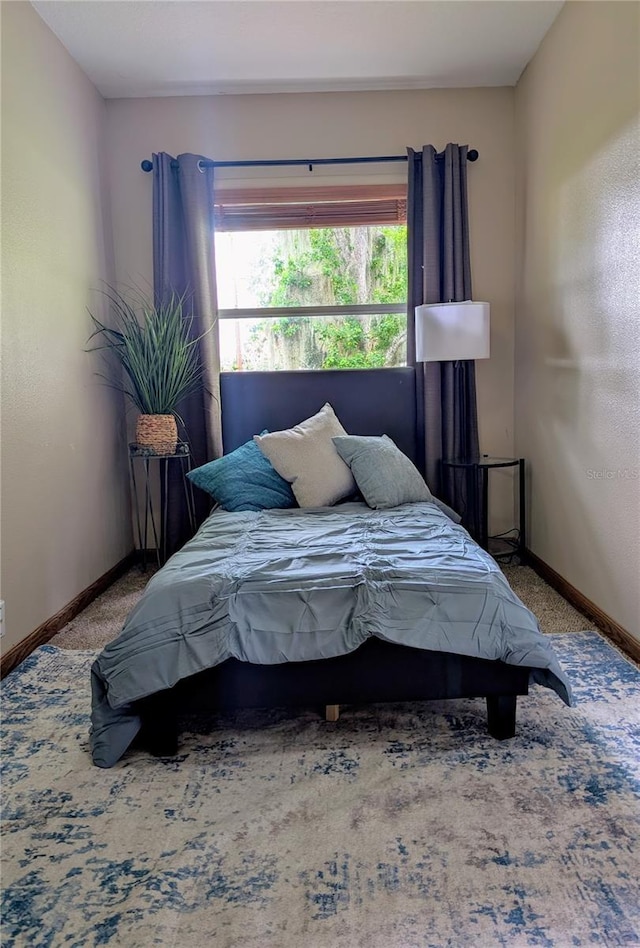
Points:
[293,280]
[343,343]
[385,330]
[334,263]
[389,265]
[339,266]
[289,328]
[349,346]
[154,346]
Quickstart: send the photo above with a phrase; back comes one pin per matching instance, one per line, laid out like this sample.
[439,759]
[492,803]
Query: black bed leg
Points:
[160,726]
[501,716]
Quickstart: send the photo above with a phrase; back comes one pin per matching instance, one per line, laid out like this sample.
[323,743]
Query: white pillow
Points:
[306,456]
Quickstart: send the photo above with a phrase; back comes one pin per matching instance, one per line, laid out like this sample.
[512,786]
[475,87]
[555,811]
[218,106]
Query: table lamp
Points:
[452,331]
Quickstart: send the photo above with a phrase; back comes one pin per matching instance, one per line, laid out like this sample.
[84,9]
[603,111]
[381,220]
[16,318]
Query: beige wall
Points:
[65,496]
[578,311]
[343,124]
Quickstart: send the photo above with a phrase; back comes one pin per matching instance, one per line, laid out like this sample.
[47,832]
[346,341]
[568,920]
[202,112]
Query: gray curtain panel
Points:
[184,261]
[440,272]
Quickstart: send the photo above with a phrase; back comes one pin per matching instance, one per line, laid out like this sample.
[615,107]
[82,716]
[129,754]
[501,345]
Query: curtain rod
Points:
[146,165]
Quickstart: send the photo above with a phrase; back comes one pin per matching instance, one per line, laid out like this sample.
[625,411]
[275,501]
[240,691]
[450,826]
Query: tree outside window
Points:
[338,294]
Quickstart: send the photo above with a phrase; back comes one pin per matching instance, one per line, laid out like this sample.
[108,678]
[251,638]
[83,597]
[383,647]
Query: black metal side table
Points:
[146,522]
[477,472]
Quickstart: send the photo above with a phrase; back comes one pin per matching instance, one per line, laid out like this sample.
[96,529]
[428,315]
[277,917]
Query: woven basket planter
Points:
[159,433]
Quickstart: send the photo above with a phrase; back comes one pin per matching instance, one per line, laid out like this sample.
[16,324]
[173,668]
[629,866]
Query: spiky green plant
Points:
[154,346]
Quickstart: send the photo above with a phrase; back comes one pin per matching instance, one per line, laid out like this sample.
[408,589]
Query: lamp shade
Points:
[451,331]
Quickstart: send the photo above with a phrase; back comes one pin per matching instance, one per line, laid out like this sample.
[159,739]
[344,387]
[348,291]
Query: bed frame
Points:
[369,402]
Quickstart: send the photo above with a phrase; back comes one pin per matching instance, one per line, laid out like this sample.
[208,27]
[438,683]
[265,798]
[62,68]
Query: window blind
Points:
[299,208]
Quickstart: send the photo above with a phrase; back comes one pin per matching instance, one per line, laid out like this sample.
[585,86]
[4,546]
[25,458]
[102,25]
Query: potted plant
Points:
[160,361]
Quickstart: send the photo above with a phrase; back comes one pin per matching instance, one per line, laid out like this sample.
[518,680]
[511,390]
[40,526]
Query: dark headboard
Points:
[367,402]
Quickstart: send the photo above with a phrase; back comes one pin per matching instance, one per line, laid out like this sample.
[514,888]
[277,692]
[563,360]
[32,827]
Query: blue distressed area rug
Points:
[401,825]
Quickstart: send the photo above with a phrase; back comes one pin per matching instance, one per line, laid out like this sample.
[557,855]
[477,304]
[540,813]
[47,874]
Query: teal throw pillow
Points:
[384,475]
[243,480]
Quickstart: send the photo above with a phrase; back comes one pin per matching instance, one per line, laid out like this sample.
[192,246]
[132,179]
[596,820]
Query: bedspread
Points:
[297,585]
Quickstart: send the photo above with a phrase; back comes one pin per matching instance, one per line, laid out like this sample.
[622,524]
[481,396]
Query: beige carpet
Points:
[552,611]
[103,619]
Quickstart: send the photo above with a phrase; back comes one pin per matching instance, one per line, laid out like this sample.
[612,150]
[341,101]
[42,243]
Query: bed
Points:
[327,606]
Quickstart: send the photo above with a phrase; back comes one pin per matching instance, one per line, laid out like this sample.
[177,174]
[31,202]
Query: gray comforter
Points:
[294,585]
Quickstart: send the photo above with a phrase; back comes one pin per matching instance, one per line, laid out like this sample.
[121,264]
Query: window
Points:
[312,278]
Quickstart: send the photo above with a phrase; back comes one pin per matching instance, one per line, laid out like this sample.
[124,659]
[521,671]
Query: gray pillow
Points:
[385,476]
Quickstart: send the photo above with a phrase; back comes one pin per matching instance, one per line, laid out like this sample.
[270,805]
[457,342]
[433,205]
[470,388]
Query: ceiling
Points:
[181,47]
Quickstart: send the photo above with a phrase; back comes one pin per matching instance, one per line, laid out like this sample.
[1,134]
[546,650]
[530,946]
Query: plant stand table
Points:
[146,520]
[477,473]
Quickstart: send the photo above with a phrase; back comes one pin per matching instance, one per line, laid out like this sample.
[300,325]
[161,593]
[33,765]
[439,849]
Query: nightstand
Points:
[477,473]
[147,526]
